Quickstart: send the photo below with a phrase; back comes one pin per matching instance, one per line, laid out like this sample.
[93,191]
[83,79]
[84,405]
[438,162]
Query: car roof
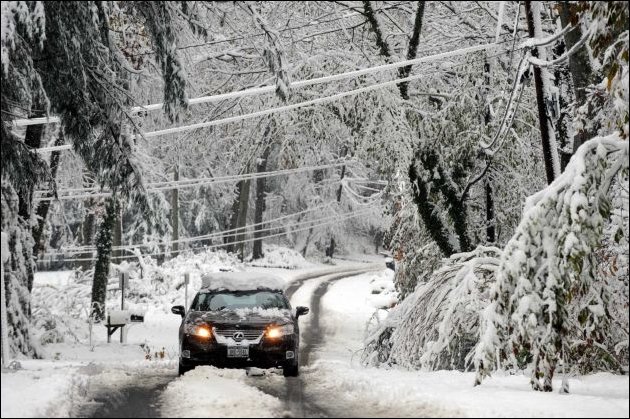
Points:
[240,281]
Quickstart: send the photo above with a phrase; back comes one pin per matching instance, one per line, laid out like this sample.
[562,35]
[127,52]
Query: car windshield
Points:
[232,300]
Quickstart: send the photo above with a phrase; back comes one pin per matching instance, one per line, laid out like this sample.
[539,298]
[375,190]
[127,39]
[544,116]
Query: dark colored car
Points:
[240,320]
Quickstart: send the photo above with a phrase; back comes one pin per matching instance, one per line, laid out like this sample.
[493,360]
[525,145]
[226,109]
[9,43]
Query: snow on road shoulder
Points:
[63,388]
[57,392]
[335,369]
[211,392]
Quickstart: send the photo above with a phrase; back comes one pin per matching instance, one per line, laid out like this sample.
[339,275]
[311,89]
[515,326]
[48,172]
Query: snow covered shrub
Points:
[548,268]
[407,242]
[280,257]
[436,327]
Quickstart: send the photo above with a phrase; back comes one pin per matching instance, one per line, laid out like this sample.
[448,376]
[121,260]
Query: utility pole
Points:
[550,155]
[175,213]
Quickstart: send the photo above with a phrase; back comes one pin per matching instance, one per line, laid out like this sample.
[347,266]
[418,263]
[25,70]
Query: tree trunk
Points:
[243,206]
[117,239]
[229,240]
[579,66]
[87,232]
[330,251]
[175,214]
[33,139]
[490,222]
[261,166]
[318,177]
[562,120]
[487,117]
[103,254]
[542,107]
[411,52]
[44,206]
[427,210]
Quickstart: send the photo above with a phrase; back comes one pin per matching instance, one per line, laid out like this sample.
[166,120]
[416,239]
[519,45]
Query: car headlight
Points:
[275,332]
[201,331]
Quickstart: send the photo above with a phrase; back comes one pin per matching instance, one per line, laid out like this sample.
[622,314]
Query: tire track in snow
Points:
[298,403]
[141,400]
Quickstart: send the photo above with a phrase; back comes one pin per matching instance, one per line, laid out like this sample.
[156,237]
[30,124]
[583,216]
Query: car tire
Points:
[291,370]
[183,369]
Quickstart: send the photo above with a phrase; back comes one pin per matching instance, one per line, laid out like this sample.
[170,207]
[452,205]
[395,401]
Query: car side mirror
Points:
[301,310]
[178,310]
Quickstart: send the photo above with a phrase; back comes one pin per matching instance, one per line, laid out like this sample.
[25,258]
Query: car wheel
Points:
[291,370]
[183,369]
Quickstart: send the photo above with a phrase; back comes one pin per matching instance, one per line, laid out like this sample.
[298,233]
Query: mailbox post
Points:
[123,283]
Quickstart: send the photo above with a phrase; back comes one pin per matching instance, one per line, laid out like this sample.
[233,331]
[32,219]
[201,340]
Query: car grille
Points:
[249,334]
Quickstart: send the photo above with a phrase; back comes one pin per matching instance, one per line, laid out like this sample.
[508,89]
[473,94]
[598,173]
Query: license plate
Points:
[238,352]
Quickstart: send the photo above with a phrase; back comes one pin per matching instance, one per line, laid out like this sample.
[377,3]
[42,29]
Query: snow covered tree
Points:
[63,56]
[548,290]
[550,262]
[436,326]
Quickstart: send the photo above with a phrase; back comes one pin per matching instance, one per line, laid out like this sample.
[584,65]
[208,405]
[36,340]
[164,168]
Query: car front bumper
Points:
[265,354]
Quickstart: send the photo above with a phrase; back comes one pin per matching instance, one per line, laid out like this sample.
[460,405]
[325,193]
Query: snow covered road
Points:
[332,382]
[209,391]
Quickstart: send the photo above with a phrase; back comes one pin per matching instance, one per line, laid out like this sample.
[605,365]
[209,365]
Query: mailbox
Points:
[120,318]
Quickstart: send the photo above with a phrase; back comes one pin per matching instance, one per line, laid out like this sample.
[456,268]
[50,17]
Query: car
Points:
[240,319]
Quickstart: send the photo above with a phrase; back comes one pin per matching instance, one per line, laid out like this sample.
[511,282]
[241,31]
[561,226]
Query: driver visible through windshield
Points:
[231,300]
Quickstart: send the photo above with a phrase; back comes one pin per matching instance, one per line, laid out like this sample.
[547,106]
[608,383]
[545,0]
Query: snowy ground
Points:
[377,392]
[73,370]
[333,383]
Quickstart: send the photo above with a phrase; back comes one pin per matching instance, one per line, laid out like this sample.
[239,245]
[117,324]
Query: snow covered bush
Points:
[548,268]
[436,326]
[280,257]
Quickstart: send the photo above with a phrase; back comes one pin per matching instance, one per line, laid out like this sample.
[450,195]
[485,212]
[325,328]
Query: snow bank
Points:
[208,392]
[280,257]
[58,392]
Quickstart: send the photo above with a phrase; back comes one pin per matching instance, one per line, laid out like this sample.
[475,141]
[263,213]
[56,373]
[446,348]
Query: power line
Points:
[187,183]
[302,83]
[217,234]
[278,109]
[343,218]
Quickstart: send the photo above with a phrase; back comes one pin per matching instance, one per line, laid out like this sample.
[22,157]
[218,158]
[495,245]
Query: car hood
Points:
[245,317]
